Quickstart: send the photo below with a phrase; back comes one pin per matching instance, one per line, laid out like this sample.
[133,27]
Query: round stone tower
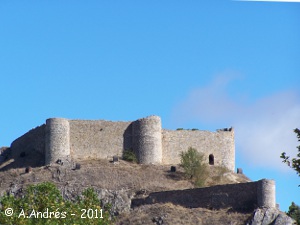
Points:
[266,193]
[147,140]
[57,140]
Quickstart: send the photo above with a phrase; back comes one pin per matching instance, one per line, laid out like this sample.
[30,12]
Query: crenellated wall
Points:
[95,139]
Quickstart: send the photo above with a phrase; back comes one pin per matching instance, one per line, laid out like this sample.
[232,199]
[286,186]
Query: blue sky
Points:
[197,64]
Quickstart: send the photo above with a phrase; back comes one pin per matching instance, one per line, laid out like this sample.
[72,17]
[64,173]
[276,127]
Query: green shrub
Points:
[43,204]
[194,166]
[130,156]
[294,212]
[179,129]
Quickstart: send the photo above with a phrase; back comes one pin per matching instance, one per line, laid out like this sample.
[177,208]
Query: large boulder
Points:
[270,216]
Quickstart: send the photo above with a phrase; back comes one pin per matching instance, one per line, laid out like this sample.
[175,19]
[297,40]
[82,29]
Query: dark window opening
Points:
[211,159]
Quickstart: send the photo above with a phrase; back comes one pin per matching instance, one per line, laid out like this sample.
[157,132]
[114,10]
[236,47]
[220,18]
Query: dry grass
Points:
[221,175]
[103,174]
[122,175]
[173,215]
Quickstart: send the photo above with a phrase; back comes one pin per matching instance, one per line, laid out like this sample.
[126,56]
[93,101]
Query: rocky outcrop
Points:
[119,200]
[270,216]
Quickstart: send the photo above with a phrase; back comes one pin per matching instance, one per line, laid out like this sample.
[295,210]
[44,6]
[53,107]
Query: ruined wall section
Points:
[245,196]
[99,139]
[220,144]
[147,140]
[31,143]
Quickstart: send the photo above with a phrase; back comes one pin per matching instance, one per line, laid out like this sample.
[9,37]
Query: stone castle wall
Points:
[242,196]
[220,144]
[32,143]
[86,139]
[98,139]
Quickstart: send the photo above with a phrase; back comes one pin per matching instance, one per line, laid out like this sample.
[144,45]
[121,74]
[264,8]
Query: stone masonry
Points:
[241,196]
[79,140]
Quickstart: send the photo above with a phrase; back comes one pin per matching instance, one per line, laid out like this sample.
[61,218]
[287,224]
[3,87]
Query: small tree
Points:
[129,155]
[294,212]
[193,164]
[294,162]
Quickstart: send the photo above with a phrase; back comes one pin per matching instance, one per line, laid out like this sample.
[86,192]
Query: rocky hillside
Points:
[118,183]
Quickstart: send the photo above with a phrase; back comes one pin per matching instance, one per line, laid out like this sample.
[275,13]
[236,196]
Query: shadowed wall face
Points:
[31,144]
[32,141]
[242,196]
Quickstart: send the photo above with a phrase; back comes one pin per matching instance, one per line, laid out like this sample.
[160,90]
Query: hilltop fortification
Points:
[61,138]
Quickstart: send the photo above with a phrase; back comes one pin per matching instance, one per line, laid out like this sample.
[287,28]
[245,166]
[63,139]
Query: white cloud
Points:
[263,128]
[210,103]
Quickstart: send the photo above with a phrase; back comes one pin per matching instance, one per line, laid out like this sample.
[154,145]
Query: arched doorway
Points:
[211,159]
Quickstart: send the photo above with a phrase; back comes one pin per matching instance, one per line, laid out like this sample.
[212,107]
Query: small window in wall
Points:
[211,159]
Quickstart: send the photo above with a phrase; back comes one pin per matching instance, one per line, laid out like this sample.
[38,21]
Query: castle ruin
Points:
[99,139]
[64,139]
